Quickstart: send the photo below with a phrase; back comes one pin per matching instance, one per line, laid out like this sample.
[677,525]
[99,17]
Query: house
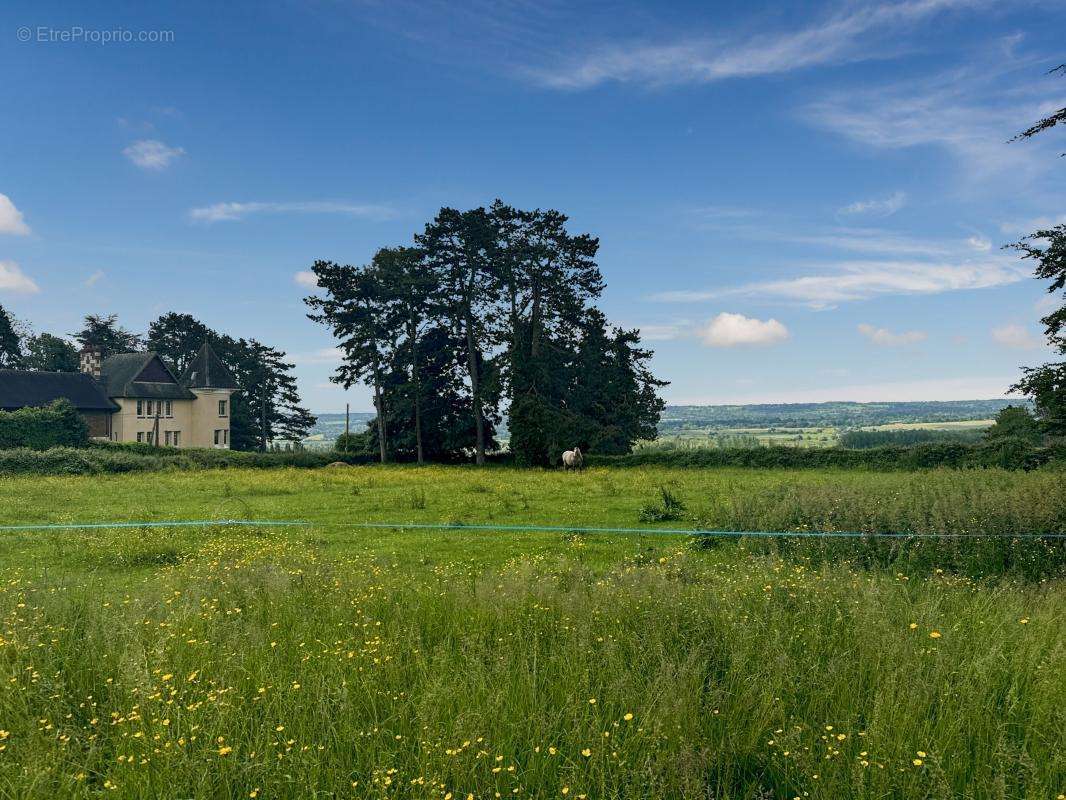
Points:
[135,397]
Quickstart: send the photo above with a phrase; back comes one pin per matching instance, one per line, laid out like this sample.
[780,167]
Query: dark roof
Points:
[208,372]
[141,375]
[19,389]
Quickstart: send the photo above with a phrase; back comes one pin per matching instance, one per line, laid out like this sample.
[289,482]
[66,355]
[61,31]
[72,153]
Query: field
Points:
[333,661]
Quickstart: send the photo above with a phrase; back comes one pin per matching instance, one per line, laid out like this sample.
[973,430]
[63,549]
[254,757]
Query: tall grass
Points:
[325,661]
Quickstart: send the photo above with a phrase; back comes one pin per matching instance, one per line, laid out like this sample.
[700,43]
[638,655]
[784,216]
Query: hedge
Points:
[107,459]
[1007,453]
[56,425]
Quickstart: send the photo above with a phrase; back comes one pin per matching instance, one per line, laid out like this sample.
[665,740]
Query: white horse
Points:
[572,459]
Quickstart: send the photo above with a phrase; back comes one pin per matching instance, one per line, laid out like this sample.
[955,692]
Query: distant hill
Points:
[677,419]
[817,415]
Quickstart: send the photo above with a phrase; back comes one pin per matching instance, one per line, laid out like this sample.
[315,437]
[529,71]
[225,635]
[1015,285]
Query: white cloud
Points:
[966,113]
[733,330]
[879,208]
[664,332]
[839,39]
[306,278]
[861,280]
[1015,336]
[93,279]
[978,242]
[327,355]
[152,154]
[13,279]
[11,220]
[228,212]
[1025,227]
[887,338]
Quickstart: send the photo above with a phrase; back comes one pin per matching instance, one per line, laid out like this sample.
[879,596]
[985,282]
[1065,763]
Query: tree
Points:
[177,337]
[355,308]
[105,334]
[1051,120]
[11,356]
[1046,384]
[266,404]
[1015,422]
[459,248]
[49,353]
[549,278]
[407,294]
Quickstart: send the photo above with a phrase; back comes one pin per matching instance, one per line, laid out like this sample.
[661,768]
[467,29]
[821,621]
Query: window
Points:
[166,438]
[222,408]
[150,437]
[151,405]
[140,409]
[177,438]
[170,409]
[225,437]
[140,436]
[218,437]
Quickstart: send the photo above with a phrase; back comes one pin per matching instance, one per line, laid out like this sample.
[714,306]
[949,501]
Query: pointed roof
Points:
[206,371]
[141,375]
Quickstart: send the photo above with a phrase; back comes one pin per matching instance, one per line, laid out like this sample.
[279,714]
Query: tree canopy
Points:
[491,308]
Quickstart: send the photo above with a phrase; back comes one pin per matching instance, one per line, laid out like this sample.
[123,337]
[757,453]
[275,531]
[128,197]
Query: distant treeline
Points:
[821,415]
[862,440]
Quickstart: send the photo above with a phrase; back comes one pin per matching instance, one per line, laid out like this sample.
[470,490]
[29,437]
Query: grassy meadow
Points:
[331,661]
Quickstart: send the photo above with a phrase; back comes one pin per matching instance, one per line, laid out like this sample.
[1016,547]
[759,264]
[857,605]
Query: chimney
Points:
[91,358]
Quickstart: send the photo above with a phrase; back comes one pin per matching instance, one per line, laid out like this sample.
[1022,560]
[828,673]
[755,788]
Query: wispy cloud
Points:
[844,37]
[95,278]
[968,113]
[885,207]
[13,279]
[886,338]
[665,332]
[861,280]
[1015,336]
[327,355]
[152,154]
[11,220]
[228,212]
[736,330]
[887,263]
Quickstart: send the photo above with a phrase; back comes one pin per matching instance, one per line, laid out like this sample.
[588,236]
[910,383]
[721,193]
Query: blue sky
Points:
[796,201]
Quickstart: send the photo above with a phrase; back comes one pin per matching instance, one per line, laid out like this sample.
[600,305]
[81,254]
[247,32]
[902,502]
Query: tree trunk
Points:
[416,379]
[475,388]
[379,404]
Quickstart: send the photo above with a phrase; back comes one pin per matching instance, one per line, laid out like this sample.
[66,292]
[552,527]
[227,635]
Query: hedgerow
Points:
[41,428]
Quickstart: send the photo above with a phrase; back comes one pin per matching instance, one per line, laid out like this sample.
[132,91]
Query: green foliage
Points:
[491,304]
[108,457]
[666,508]
[57,425]
[49,353]
[864,440]
[1015,422]
[1046,384]
[380,653]
[265,406]
[106,335]
[1008,453]
[10,343]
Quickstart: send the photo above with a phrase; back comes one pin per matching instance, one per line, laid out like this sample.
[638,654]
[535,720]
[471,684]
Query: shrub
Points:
[56,425]
[669,508]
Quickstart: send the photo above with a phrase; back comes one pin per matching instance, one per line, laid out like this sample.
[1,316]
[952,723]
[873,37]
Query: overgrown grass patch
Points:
[330,660]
